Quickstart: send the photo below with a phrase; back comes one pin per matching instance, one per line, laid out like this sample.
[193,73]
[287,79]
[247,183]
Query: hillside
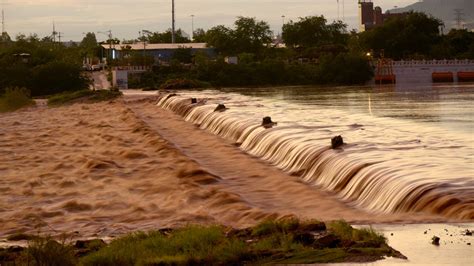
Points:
[444,10]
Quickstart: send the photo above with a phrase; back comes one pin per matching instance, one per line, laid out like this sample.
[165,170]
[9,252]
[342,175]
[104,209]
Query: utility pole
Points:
[54,32]
[192,27]
[144,47]
[173,37]
[109,35]
[343,11]
[59,37]
[459,18]
[3,17]
[3,21]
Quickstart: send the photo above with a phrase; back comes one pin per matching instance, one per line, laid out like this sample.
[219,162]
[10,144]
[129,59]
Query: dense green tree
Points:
[403,36]
[222,39]
[41,66]
[251,35]
[314,31]
[461,43]
[199,35]
[248,36]
[89,41]
[164,37]
[183,55]
[4,37]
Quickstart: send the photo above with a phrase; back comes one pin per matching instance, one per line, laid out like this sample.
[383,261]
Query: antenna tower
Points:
[459,17]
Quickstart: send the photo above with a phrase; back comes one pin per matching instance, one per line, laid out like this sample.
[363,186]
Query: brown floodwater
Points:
[99,170]
[407,150]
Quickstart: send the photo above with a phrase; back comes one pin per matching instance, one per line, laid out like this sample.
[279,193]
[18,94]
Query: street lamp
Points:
[142,32]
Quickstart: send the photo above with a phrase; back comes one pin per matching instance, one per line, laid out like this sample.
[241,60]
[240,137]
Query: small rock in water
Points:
[194,100]
[336,142]
[426,232]
[267,122]
[435,240]
[468,233]
[220,108]
[391,234]
[468,244]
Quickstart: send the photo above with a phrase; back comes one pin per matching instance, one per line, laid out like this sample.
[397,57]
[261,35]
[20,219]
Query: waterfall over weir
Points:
[357,172]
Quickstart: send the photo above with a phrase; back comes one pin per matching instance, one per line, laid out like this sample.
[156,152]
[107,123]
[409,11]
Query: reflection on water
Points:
[408,149]
[449,106]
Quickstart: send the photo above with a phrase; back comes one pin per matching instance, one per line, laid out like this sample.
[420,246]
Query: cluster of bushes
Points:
[42,67]
[345,69]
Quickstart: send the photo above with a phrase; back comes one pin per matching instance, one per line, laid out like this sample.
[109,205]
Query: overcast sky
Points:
[126,17]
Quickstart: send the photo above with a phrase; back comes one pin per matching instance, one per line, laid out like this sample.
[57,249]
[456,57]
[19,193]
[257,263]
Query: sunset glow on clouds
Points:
[126,17]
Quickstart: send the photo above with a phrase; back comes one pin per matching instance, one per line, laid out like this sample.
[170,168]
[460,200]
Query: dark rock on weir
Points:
[194,100]
[468,233]
[337,142]
[220,108]
[267,122]
[435,240]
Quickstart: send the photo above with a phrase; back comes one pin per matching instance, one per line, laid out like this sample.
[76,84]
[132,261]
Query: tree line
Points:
[310,50]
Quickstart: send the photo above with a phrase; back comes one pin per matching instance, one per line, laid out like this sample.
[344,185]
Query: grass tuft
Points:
[285,241]
[46,251]
[367,237]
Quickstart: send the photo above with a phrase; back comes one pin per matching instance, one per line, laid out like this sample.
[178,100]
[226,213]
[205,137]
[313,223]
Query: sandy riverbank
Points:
[110,168]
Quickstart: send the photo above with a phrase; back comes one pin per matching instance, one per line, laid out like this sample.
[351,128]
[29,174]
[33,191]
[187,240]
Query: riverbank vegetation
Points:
[14,99]
[288,241]
[41,66]
[83,96]
[309,51]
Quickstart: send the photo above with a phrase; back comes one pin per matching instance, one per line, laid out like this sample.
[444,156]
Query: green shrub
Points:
[192,244]
[46,251]
[55,77]
[368,235]
[14,99]
[270,226]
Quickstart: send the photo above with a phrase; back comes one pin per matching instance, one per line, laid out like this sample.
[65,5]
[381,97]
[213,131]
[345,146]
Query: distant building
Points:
[371,16]
[159,51]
